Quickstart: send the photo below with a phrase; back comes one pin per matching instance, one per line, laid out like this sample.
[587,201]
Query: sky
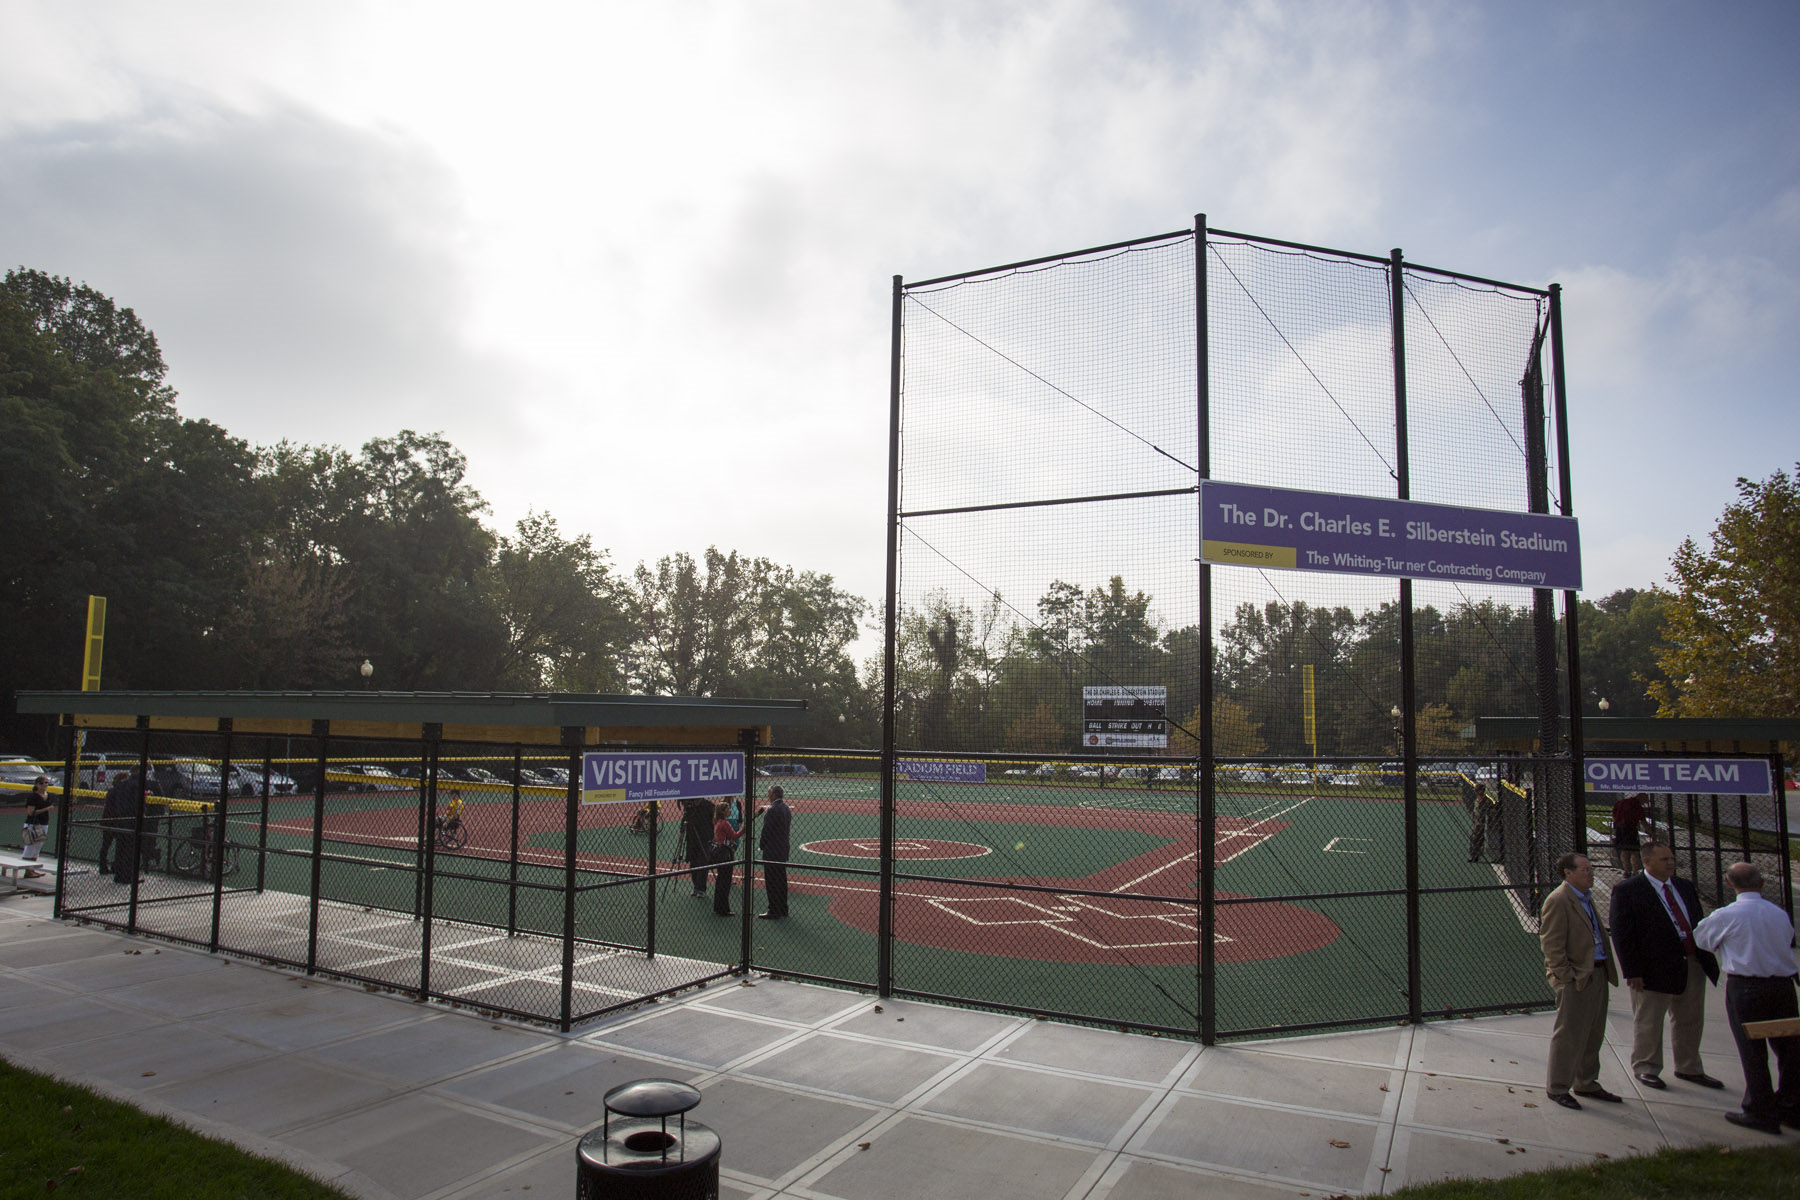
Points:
[635,260]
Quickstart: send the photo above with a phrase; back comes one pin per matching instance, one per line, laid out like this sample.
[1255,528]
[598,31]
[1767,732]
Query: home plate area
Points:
[992,918]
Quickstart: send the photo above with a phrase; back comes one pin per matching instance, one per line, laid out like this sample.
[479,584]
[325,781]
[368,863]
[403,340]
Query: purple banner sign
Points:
[1248,526]
[1681,776]
[939,770]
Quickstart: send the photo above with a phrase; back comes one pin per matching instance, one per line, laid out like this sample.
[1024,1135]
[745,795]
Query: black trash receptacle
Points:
[635,1155]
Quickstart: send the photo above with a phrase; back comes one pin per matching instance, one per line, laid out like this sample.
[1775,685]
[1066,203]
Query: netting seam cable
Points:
[1301,359]
[1461,366]
[1078,258]
[1053,387]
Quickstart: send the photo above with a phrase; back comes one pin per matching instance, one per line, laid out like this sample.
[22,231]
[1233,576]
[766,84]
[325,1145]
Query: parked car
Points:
[248,781]
[96,771]
[468,773]
[185,779]
[379,778]
[783,768]
[23,771]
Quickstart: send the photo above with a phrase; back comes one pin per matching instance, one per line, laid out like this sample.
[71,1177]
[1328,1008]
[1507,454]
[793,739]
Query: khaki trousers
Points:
[1576,1037]
[1686,1012]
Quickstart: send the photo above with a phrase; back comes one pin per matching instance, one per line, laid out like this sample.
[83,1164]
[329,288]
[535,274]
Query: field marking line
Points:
[1331,846]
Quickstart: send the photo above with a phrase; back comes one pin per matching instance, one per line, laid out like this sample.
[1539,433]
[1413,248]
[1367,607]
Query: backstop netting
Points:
[1054,421]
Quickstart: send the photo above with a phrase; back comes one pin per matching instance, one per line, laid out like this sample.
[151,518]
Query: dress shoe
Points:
[768,916]
[1601,1093]
[1760,1124]
[700,895]
[1564,1099]
[1703,1079]
[1651,1081]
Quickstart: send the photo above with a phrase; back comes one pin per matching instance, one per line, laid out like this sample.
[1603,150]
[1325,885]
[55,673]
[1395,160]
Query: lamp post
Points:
[367,671]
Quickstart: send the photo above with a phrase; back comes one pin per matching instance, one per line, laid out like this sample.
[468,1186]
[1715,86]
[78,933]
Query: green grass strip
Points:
[1709,1173]
[65,1140]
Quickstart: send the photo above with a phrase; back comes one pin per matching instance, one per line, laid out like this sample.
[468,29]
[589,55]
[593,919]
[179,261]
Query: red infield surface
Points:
[1044,925]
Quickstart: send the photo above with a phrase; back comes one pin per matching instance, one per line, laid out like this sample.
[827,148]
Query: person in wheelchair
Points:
[449,829]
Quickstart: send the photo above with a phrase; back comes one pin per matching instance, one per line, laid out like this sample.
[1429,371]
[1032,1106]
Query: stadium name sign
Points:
[1249,526]
[939,770]
[1681,776]
[664,775]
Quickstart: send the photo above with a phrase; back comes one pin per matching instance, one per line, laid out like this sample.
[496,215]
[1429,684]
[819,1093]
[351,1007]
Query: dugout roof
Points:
[1700,735]
[537,718]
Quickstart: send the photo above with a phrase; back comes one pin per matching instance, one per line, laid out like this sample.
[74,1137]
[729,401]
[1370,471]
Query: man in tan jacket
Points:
[1578,962]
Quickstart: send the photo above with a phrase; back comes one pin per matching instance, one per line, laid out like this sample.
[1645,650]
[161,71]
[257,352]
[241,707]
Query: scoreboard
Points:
[1124,716]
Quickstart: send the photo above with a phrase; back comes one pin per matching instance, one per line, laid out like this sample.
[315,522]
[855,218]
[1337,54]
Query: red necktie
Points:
[1687,934]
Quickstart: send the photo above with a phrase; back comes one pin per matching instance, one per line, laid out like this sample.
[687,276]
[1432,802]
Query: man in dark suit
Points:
[773,843]
[1578,963]
[1653,919]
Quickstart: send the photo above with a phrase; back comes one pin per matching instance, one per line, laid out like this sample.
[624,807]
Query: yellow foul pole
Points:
[96,638]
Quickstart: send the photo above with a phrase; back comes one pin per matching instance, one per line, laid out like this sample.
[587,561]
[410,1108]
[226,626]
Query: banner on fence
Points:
[661,775]
[1681,776]
[939,770]
[1249,526]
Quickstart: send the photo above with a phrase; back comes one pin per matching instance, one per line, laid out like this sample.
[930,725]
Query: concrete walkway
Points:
[817,1093]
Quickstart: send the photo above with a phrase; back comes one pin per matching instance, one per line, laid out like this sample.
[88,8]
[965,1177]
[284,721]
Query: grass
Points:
[1709,1173]
[67,1140]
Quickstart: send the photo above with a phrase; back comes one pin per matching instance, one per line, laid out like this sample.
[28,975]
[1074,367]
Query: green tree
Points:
[560,605]
[1732,626]
[1621,637]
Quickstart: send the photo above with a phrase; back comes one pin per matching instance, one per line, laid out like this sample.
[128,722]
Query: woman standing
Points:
[725,840]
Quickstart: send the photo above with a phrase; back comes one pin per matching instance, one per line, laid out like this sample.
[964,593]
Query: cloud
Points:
[301,275]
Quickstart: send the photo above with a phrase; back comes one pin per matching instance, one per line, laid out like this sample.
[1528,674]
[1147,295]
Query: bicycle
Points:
[194,854]
[449,830]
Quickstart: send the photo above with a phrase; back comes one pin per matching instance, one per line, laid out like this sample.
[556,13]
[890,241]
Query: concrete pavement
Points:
[817,1093]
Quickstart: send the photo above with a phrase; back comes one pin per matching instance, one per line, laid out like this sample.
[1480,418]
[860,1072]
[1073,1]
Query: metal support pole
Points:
[1571,602]
[217,850]
[884,954]
[425,818]
[1206,819]
[1409,730]
[428,876]
[571,830]
[322,731]
[512,857]
[747,739]
[137,822]
[1782,833]
[262,832]
[64,811]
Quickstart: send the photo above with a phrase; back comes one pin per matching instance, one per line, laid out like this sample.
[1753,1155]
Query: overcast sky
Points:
[635,259]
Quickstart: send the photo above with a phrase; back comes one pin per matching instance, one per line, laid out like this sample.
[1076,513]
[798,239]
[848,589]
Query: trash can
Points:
[636,1155]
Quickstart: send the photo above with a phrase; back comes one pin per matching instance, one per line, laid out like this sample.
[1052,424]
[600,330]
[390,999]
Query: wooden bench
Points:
[14,866]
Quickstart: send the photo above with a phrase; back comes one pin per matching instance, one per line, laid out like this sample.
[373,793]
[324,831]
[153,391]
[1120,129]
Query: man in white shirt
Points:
[1754,940]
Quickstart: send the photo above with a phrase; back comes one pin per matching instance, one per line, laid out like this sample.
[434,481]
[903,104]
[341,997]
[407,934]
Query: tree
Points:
[1732,627]
[1038,732]
[565,624]
[1235,734]
[1621,636]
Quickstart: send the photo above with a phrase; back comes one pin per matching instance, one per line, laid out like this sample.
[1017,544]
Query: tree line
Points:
[234,566]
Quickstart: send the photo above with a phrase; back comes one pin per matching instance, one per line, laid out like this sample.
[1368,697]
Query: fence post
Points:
[137,822]
[1409,728]
[322,731]
[1205,830]
[512,858]
[65,810]
[428,877]
[884,925]
[747,739]
[262,832]
[573,737]
[218,835]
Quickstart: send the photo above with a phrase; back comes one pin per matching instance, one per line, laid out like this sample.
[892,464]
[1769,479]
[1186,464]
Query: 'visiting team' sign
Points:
[1681,776]
[661,775]
[1249,526]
